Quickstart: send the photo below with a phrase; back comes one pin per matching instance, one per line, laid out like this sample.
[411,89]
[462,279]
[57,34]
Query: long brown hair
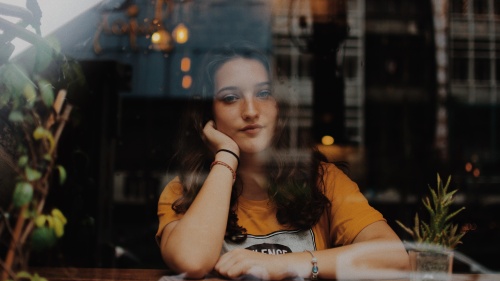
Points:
[295,183]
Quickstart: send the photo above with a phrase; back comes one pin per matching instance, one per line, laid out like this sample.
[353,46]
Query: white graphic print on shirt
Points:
[280,242]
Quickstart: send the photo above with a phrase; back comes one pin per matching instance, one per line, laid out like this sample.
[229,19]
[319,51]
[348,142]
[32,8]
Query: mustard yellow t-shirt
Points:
[349,214]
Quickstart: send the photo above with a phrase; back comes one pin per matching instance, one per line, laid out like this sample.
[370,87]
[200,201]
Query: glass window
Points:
[482,69]
[350,67]
[283,65]
[480,7]
[459,69]
[305,66]
[497,65]
[457,6]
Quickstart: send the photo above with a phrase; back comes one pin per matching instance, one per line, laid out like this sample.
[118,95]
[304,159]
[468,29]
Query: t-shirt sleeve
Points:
[171,192]
[350,211]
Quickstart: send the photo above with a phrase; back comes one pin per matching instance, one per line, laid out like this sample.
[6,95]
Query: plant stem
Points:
[9,260]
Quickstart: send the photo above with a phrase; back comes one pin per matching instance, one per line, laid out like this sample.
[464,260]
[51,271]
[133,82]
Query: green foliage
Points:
[439,230]
[24,275]
[43,238]
[23,193]
[37,109]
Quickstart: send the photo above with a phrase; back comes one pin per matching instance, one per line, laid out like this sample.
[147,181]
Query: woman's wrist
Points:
[227,158]
[295,265]
[223,150]
[216,162]
[230,153]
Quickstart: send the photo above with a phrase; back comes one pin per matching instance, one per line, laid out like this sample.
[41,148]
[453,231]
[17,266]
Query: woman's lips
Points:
[252,128]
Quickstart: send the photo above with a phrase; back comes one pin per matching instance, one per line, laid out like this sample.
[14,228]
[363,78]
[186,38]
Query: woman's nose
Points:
[250,109]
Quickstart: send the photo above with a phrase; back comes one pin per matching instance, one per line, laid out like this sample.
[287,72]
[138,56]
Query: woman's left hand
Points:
[240,262]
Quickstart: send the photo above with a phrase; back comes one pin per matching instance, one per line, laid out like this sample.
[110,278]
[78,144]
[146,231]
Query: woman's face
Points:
[244,108]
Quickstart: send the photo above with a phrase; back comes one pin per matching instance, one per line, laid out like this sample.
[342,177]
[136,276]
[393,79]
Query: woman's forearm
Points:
[369,259]
[376,252]
[375,259]
[193,244]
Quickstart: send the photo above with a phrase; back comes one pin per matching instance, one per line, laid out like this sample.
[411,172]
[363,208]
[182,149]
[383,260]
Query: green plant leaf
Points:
[23,274]
[44,56]
[62,174]
[42,133]
[32,174]
[16,116]
[445,189]
[4,98]
[23,161]
[47,157]
[28,213]
[47,92]
[42,238]
[408,230]
[29,94]
[54,43]
[23,193]
[37,277]
[450,216]
[15,79]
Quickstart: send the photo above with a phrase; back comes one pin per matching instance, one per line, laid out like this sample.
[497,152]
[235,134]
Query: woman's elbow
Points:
[192,268]
[403,261]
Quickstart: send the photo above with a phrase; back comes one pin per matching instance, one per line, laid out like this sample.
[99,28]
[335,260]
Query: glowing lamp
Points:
[180,33]
[186,81]
[162,41]
[327,140]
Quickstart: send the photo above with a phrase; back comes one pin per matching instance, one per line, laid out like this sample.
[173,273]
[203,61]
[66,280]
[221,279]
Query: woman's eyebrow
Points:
[233,88]
[228,88]
[263,84]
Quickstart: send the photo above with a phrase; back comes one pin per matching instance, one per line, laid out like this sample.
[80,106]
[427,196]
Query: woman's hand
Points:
[240,262]
[217,140]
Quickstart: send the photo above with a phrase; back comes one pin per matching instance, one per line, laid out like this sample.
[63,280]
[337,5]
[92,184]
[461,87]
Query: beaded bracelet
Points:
[229,151]
[314,269]
[225,165]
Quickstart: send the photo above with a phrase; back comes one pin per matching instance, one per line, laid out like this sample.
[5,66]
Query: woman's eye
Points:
[264,94]
[229,98]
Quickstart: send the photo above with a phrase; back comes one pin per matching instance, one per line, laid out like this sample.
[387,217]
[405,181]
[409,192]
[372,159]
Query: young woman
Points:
[244,205]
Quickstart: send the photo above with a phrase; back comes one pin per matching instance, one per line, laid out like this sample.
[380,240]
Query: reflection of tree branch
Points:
[22,33]
[18,12]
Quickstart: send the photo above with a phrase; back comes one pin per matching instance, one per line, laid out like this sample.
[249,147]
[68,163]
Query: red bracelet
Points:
[225,165]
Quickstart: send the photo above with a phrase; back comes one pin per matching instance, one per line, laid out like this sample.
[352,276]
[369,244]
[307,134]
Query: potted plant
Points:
[431,255]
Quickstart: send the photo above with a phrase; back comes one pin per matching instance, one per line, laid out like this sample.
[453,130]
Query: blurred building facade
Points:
[408,93]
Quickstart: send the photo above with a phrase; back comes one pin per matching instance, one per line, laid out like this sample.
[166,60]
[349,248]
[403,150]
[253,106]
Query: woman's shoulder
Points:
[173,188]
[335,179]
[332,168]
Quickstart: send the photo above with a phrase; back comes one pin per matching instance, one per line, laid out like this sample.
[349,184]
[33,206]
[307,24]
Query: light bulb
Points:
[162,41]
[180,33]
[327,140]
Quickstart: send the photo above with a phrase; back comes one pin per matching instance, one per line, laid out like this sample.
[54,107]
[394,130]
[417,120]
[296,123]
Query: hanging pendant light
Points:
[160,37]
[162,40]
[180,33]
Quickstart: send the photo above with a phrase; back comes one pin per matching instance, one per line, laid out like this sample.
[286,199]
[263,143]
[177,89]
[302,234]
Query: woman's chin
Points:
[261,151]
